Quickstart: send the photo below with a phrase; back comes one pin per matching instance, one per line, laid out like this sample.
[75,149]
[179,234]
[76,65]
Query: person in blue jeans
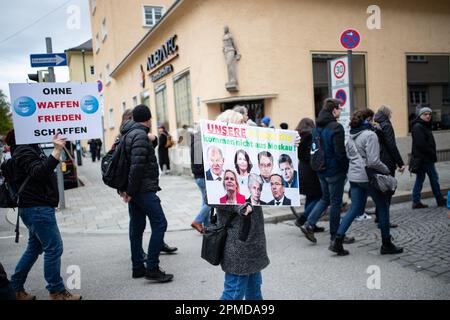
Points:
[332,179]
[140,194]
[363,150]
[424,149]
[202,219]
[37,202]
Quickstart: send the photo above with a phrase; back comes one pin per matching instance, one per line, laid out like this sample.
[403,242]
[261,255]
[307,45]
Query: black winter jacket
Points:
[423,144]
[144,173]
[197,166]
[389,155]
[309,182]
[42,188]
[333,141]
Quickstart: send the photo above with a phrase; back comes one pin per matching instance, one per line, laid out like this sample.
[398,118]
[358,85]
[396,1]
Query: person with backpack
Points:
[140,194]
[37,203]
[363,151]
[424,156]
[165,142]
[390,155]
[329,160]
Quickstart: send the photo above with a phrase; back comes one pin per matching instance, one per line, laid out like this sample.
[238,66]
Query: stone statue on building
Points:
[231,56]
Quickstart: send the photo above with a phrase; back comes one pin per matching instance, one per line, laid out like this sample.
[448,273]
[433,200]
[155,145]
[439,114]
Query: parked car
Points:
[68,165]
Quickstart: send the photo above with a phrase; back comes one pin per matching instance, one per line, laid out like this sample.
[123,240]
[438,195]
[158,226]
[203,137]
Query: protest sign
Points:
[41,110]
[249,164]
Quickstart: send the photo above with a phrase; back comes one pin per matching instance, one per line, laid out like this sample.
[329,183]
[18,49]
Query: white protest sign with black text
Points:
[41,110]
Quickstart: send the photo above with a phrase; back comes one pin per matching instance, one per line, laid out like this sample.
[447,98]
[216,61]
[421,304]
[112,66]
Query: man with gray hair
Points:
[255,185]
[216,161]
[244,111]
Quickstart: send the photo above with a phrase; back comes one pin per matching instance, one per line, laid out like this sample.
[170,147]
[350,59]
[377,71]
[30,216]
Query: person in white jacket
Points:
[363,150]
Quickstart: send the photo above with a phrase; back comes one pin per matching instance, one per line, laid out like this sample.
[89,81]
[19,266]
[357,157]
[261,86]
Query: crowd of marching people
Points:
[370,146]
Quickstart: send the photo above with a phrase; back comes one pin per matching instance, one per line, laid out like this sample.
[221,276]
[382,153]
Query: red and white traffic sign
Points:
[350,39]
[339,69]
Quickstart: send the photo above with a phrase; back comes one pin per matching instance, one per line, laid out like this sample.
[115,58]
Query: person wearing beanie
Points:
[140,194]
[284,126]
[265,122]
[423,157]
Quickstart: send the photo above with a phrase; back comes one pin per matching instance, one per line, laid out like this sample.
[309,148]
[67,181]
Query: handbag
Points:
[415,164]
[214,238]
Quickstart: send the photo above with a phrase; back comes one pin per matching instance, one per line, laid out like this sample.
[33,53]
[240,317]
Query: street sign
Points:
[48,60]
[99,86]
[350,39]
[341,95]
[340,88]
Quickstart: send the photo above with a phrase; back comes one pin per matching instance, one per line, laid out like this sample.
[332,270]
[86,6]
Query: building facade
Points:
[178,66]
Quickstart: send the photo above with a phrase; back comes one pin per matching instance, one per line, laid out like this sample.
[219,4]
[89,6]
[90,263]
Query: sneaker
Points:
[158,275]
[64,295]
[308,232]
[419,205]
[23,295]
[168,249]
[363,217]
[139,272]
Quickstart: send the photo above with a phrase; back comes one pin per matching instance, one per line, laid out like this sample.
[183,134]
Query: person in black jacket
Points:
[163,150]
[37,204]
[389,153]
[424,149]
[140,194]
[198,169]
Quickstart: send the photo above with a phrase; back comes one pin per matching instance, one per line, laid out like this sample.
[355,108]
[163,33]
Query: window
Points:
[107,75]
[111,119]
[428,86]
[161,105]
[124,107]
[97,43]
[92,70]
[100,75]
[135,101]
[183,109]
[93,6]
[321,80]
[152,15]
[104,30]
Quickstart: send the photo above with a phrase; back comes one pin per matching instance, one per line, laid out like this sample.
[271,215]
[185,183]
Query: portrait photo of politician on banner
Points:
[249,164]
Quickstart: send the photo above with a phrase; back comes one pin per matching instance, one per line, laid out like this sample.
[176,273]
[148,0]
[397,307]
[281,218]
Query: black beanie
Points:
[141,113]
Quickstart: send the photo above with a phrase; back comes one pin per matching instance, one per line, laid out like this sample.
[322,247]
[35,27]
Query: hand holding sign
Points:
[59,144]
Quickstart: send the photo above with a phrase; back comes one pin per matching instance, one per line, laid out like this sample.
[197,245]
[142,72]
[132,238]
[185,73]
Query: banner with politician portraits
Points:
[249,164]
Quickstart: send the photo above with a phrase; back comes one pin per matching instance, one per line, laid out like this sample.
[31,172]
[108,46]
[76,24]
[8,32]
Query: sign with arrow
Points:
[48,60]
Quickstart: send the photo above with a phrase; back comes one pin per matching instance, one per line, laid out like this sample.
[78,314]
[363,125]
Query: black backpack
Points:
[115,166]
[317,161]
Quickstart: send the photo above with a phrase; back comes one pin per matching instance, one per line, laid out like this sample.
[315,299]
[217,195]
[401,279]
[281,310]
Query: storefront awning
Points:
[240,98]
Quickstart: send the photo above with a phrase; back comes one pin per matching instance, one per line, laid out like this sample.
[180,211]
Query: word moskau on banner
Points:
[249,164]
[41,110]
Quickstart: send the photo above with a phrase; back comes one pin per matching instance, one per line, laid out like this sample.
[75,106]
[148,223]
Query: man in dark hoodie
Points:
[424,149]
[140,194]
[332,179]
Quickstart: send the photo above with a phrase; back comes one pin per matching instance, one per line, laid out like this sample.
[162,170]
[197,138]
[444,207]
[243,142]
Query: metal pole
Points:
[59,173]
[350,80]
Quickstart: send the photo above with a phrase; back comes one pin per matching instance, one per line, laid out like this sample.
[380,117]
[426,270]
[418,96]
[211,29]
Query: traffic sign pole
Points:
[350,81]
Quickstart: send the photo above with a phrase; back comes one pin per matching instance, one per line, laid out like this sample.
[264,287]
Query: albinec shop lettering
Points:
[163,53]
[25,107]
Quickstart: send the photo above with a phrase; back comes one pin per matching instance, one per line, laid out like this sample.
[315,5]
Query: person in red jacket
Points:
[232,188]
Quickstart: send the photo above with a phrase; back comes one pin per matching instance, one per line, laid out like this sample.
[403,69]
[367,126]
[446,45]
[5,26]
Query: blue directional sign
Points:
[48,60]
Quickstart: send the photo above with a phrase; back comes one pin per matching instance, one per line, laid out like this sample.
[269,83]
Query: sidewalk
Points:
[96,208]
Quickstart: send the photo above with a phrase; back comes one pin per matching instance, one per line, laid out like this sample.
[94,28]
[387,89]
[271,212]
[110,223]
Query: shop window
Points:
[152,14]
[428,86]
[321,79]
[183,108]
[161,105]
[92,69]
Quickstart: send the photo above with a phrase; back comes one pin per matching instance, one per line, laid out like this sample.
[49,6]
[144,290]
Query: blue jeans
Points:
[310,203]
[332,192]
[140,207]
[44,237]
[430,170]
[203,215]
[237,287]
[359,194]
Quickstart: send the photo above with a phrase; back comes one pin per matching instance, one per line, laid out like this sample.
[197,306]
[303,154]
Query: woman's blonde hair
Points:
[231,117]
[235,179]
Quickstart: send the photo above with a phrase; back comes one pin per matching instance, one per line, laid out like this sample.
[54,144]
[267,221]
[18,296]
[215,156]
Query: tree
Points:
[5,121]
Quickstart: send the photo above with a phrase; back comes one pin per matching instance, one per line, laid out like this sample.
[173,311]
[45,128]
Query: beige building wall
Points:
[276,40]
[76,72]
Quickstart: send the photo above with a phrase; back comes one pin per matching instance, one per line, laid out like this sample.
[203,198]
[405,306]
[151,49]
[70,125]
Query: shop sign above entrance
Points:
[166,51]
[350,39]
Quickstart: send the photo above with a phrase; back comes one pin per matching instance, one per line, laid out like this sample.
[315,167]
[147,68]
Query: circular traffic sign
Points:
[339,69]
[350,39]
[341,95]
[99,86]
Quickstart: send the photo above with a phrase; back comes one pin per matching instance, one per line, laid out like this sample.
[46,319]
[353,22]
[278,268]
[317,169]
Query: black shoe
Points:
[337,247]
[139,272]
[309,232]
[419,205]
[389,248]
[168,249]
[158,275]
[348,240]
[318,229]
[392,225]
[300,221]
[442,203]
